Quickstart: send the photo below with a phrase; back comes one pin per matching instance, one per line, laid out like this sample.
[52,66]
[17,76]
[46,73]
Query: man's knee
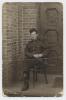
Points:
[26,74]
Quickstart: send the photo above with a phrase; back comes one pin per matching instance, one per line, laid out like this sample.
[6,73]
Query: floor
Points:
[39,89]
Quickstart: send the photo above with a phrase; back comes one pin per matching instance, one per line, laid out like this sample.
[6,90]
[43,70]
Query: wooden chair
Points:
[35,70]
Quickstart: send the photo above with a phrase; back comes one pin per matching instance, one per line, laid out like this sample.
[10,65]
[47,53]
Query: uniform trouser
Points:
[30,63]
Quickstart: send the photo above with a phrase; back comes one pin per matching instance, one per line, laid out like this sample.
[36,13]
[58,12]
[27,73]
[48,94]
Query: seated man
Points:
[34,53]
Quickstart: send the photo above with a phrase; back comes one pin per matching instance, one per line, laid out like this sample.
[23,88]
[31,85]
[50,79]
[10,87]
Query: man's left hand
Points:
[38,55]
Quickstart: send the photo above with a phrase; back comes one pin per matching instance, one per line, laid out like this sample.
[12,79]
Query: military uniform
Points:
[33,47]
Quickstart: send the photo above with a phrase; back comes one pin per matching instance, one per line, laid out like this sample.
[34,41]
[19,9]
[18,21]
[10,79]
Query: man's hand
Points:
[38,55]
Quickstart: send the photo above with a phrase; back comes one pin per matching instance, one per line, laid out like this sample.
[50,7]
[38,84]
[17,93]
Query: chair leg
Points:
[46,81]
[34,76]
[45,74]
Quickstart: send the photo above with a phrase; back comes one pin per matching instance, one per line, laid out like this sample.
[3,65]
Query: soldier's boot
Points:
[26,82]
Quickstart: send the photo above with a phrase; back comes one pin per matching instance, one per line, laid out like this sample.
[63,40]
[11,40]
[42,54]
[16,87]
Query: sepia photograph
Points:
[32,49]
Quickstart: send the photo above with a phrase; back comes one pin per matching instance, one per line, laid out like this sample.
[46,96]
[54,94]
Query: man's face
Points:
[34,35]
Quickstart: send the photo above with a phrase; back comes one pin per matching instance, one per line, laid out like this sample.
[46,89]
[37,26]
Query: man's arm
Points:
[45,52]
[27,51]
[28,54]
[45,49]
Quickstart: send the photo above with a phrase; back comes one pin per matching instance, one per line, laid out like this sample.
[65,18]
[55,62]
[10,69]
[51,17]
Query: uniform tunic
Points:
[34,47]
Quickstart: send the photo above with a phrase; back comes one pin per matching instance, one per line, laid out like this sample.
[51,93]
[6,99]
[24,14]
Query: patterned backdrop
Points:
[17,21]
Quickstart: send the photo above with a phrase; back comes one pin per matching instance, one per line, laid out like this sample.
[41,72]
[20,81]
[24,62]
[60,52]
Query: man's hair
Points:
[33,30]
